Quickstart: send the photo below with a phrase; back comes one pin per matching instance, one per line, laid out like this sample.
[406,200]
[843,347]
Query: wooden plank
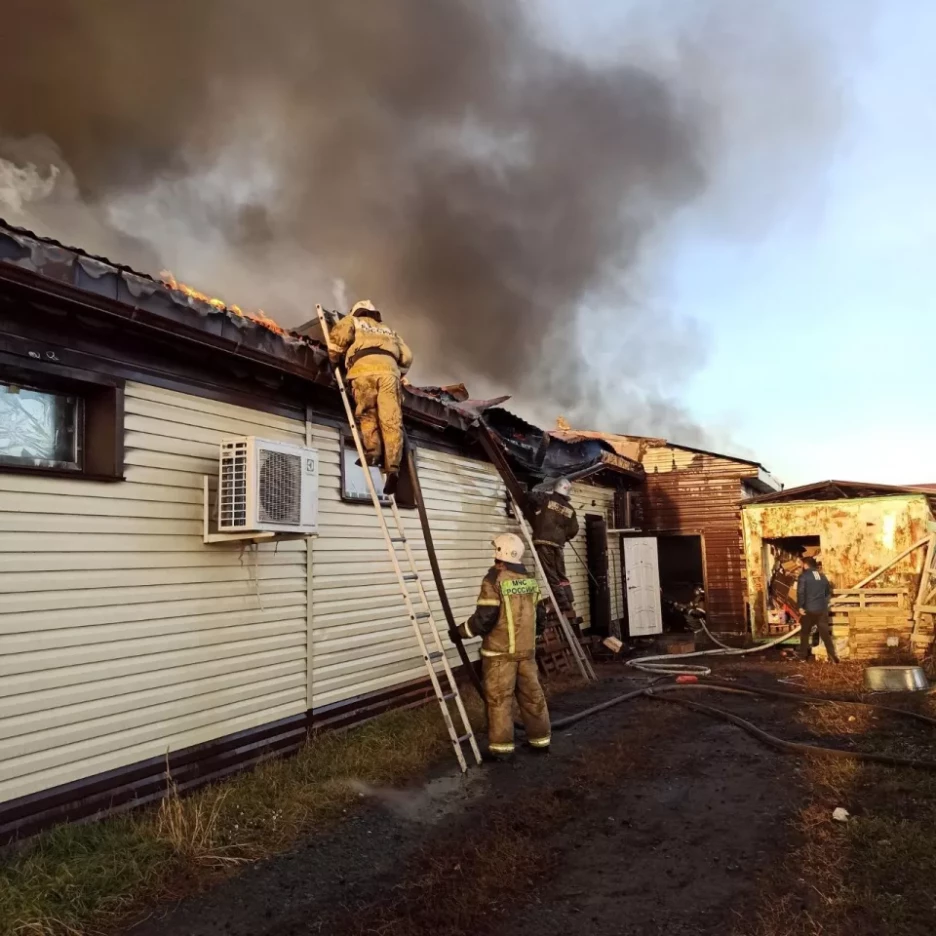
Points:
[891,564]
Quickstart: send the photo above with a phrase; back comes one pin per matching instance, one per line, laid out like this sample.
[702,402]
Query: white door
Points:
[642,577]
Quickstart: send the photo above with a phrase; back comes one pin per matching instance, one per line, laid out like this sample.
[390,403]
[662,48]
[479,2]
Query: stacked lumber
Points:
[869,632]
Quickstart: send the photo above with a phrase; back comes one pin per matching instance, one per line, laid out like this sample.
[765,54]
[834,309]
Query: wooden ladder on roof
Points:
[412,590]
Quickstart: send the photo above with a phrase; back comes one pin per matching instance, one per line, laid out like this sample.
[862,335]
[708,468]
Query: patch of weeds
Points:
[78,879]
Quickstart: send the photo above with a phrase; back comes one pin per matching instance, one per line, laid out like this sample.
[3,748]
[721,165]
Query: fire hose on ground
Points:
[665,665]
[658,693]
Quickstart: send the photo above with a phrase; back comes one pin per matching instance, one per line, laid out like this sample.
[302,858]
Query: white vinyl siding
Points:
[122,636]
[363,640]
[591,499]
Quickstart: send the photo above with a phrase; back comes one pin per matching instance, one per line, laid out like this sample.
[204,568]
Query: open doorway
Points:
[781,570]
[682,581]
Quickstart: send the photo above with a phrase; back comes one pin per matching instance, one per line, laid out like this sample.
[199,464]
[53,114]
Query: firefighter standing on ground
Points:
[508,616]
[554,524]
[375,360]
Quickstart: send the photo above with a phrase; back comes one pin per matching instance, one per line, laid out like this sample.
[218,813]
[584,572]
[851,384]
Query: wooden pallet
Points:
[870,630]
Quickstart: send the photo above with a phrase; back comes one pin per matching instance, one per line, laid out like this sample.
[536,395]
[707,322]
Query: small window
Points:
[61,421]
[354,484]
[40,429]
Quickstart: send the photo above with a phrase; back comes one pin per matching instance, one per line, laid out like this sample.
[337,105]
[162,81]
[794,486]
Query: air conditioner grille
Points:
[232,499]
[280,487]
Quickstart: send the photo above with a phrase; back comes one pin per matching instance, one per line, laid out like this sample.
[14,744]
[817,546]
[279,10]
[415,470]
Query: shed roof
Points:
[840,490]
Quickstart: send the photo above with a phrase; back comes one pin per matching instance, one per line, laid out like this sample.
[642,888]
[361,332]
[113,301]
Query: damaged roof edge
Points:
[39,264]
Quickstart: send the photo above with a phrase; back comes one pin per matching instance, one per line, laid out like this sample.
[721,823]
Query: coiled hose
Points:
[664,665]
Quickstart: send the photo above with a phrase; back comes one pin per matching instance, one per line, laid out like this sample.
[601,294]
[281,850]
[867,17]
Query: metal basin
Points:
[895,679]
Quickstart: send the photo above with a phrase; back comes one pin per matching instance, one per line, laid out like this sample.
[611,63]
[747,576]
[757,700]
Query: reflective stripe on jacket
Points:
[508,614]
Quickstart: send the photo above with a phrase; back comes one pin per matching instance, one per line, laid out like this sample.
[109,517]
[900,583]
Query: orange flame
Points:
[260,317]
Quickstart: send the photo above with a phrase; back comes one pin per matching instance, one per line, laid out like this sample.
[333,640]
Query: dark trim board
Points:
[146,782]
[57,343]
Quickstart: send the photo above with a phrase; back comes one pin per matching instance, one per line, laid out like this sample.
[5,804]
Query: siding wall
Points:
[362,638]
[121,634]
[590,499]
[124,637]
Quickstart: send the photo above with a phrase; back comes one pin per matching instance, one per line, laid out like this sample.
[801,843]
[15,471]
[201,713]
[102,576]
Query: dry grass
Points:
[82,879]
[873,875]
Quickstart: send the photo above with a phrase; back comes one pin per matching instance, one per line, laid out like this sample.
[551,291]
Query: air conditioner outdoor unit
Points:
[268,487]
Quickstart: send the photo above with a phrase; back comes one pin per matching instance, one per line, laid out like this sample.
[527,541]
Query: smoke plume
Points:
[508,201]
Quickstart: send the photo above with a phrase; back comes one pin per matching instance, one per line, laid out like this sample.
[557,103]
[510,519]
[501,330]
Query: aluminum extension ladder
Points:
[582,661]
[496,455]
[417,605]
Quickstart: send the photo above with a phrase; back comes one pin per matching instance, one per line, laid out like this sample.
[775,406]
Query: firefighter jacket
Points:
[369,348]
[554,521]
[509,614]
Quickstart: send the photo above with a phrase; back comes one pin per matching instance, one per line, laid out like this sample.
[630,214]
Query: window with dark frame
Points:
[40,429]
[58,420]
[354,484]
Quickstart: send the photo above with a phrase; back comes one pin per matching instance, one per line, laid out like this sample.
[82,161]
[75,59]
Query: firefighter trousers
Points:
[378,406]
[505,678]
[553,561]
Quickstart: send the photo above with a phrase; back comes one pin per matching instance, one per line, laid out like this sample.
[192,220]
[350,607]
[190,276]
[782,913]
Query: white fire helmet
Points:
[508,547]
[563,487]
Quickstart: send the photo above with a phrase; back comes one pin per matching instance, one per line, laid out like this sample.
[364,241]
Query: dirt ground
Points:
[646,819]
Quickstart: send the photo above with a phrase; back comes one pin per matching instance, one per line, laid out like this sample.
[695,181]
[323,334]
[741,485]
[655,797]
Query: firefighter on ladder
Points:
[375,359]
[554,524]
[508,616]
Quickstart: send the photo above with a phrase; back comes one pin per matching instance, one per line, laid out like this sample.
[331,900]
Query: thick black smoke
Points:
[437,156]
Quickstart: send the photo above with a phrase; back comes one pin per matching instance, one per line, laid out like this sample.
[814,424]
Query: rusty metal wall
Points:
[856,538]
[695,493]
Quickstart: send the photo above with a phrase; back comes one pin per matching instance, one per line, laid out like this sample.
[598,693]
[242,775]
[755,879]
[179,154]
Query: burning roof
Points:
[186,313]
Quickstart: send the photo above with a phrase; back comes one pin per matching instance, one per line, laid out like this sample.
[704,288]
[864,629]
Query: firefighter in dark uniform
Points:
[554,524]
[509,615]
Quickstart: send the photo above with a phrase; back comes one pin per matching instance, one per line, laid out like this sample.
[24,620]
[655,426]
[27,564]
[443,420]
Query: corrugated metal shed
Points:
[694,492]
[122,634]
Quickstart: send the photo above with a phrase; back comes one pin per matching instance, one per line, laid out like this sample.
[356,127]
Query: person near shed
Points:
[508,617]
[813,595]
[554,524]
[375,359]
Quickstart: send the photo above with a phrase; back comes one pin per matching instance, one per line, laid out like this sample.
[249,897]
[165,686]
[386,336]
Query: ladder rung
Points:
[410,577]
[422,615]
[465,737]
[435,655]
[447,696]
[397,539]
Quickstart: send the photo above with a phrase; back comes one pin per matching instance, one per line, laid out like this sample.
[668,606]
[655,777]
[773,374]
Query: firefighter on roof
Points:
[554,524]
[375,360]
[509,615]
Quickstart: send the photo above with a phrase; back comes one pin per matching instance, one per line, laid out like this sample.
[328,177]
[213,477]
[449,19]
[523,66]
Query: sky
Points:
[817,328]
